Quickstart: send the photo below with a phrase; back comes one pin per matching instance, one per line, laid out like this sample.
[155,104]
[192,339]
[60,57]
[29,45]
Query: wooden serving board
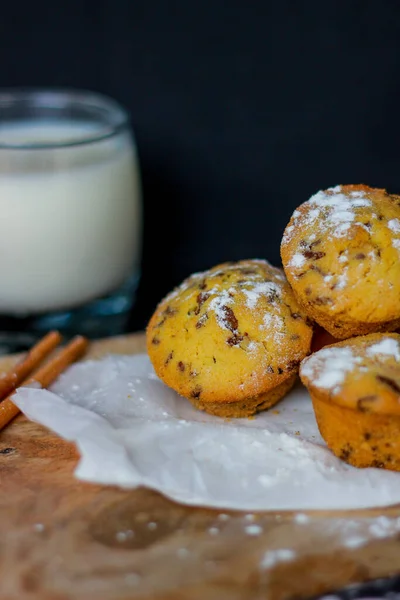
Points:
[63,539]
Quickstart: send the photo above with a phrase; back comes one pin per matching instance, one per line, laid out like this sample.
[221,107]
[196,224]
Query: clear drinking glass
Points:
[70,215]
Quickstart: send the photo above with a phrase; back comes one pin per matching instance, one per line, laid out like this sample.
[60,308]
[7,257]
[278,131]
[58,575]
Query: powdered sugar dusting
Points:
[354,534]
[298,260]
[388,347]
[275,324]
[336,210]
[272,557]
[256,290]
[328,367]
[218,304]
[394,225]
[253,529]
[341,281]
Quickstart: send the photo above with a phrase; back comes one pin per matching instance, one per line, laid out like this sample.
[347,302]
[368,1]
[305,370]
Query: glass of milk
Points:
[70,215]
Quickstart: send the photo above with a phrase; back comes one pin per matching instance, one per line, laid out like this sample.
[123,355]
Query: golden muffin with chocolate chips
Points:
[230,339]
[341,255]
[355,389]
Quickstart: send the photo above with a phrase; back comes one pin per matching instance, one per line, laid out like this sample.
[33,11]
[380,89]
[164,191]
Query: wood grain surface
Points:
[62,539]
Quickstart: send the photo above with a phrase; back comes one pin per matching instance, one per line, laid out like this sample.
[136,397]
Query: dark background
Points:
[241,110]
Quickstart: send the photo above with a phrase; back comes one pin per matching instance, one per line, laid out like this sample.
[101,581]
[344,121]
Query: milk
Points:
[70,217]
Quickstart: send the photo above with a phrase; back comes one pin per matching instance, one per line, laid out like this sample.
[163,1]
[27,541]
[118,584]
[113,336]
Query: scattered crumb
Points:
[301,518]
[253,529]
[272,557]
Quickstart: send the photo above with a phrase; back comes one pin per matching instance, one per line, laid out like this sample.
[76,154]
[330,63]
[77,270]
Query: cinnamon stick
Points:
[28,363]
[45,375]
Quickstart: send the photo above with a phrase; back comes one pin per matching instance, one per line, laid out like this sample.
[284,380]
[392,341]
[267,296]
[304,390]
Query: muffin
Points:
[341,255]
[355,390]
[230,339]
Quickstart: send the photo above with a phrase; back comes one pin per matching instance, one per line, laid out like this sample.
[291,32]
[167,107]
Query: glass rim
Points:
[62,98]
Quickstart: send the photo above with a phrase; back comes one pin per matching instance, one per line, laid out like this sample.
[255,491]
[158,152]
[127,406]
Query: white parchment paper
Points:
[131,430]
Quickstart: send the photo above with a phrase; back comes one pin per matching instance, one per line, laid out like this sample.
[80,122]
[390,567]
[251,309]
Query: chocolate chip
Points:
[272,296]
[367,436]
[155,341]
[214,360]
[196,392]
[346,452]
[389,382]
[292,365]
[280,371]
[202,321]
[317,270]
[378,252]
[230,320]
[380,217]
[7,450]
[374,448]
[360,256]
[295,315]
[313,255]
[368,224]
[181,366]
[316,243]
[169,358]
[364,403]
[234,340]
[201,298]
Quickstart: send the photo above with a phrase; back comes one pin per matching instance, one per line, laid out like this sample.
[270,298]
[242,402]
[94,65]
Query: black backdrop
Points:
[241,109]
